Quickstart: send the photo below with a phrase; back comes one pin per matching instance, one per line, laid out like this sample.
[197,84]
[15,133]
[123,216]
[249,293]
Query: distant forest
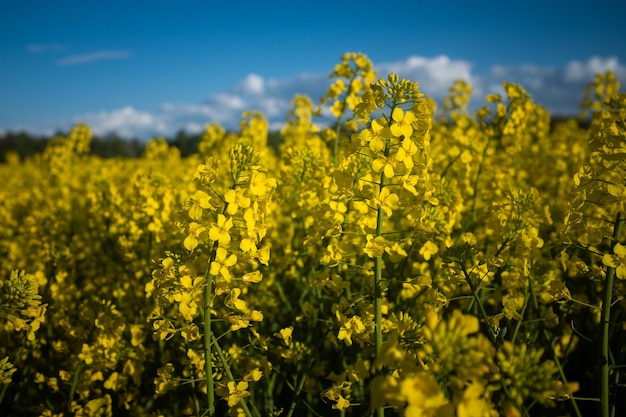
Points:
[114,146]
[108,146]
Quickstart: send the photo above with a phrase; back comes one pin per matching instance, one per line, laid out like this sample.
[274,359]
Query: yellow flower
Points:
[375,246]
[336,89]
[253,375]
[207,172]
[250,218]
[163,329]
[260,184]
[195,204]
[428,250]
[360,206]
[406,152]
[220,230]
[186,297]
[409,182]
[617,260]
[114,382]
[337,108]
[196,233]
[236,199]
[618,192]
[255,315]
[474,403]
[137,334]
[263,255]
[165,380]
[384,164]
[6,370]
[387,201]
[332,256]
[375,136]
[349,327]
[236,392]
[252,277]
[424,397]
[402,123]
[334,394]
[222,262]
[341,403]
[235,303]
[285,335]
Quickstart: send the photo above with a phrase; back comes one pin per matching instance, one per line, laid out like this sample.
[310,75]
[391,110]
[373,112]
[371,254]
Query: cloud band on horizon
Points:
[559,89]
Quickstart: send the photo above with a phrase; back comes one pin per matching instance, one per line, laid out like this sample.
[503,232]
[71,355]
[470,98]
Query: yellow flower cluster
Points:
[397,260]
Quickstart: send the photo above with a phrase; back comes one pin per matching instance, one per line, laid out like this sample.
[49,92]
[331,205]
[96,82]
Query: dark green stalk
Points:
[292,406]
[220,355]
[557,361]
[336,141]
[3,392]
[208,367]
[468,279]
[339,122]
[477,181]
[605,318]
[378,274]
[208,332]
[196,403]
[70,398]
[519,322]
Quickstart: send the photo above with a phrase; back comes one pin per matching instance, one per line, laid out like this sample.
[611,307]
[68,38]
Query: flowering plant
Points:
[397,260]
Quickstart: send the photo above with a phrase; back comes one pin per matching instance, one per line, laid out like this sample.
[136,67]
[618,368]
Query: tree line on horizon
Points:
[112,145]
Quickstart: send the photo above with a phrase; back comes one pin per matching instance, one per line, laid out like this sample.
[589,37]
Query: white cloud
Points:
[434,75]
[92,57]
[227,101]
[557,88]
[274,107]
[127,122]
[193,127]
[252,84]
[560,90]
[576,71]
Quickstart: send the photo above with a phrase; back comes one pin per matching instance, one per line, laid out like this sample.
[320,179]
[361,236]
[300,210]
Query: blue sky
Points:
[146,68]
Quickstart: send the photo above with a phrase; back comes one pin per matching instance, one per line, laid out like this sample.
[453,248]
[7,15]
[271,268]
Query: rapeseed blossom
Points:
[387,261]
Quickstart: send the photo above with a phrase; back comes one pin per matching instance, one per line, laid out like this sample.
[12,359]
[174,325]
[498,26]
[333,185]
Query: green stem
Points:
[70,398]
[208,367]
[557,361]
[208,332]
[336,141]
[196,403]
[522,313]
[340,120]
[378,274]
[269,393]
[3,392]
[292,406]
[477,181]
[468,279]
[220,355]
[605,318]
[564,379]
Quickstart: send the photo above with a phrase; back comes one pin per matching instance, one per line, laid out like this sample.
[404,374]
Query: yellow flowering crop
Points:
[399,259]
